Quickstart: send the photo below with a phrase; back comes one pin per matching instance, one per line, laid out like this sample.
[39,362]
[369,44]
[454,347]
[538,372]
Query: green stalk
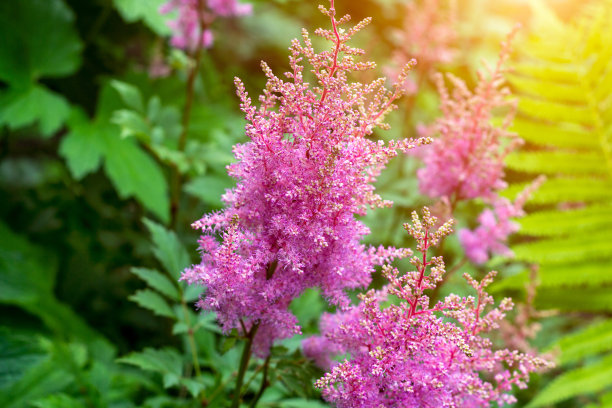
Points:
[244,363]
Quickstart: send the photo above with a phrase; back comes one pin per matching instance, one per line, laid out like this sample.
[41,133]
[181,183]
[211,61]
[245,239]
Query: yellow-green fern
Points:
[563,78]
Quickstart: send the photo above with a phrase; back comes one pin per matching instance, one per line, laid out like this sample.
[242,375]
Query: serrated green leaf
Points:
[134,173]
[38,40]
[180,328]
[19,352]
[37,104]
[151,300]
[83,147]
[129,94]
[158,281]
[168,249]
[586,380]
[163,361]
[131,124]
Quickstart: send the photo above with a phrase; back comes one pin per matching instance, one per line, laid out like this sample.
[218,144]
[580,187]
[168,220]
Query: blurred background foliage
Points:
[97,193]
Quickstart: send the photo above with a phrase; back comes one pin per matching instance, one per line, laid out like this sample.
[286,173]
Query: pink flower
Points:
[495,227]
[189,28]
[466,160]
[412,355]
[307,171]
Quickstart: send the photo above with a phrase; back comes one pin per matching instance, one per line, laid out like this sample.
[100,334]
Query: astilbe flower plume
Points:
[307,171]
[495,226]
[466,159]
[412,355]
[190,28]
[428,34]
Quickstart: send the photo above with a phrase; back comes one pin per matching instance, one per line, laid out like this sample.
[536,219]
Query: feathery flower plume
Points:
[307,171]
[466,160]
[412,355]
[496,226]
[428,34]
[194,16]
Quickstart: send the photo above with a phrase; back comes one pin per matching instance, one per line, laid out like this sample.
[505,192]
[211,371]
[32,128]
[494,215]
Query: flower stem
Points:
[264,383]
[244,363]
[176,178]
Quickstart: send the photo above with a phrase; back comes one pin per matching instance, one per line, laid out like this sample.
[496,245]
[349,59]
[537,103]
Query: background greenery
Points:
[97,195]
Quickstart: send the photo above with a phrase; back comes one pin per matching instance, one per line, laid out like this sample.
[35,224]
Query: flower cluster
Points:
[190,28]
[306,172]
[466,160]
[412,355]
[428,35]
[495,227]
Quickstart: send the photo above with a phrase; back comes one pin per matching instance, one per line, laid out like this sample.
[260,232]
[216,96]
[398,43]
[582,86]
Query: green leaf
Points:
[38,40]
[146,11]
[167,362]
[586,380]
[131,124]
[151,300]
[22,108]
[587,247]
[168,249]
[558,162]
[591,341]
[129,94]
[585,274]
[19,352]
[83,147]
[158,281]
[555,222]
[28,277]
[58,401]
[134,173]
[209,189]
[575,299]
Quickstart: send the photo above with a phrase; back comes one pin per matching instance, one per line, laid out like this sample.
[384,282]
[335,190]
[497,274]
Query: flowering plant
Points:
[411,354]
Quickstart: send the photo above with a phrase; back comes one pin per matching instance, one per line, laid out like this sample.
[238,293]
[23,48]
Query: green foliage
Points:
[586,380]
[146,11]
[130,169]
[49,47]
[565,116]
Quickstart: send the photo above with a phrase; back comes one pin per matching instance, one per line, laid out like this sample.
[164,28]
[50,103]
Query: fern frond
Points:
[575,299]
[556,223]
[587,342]
[584,247]
[554,135]
[563,190]
[581,274]
[590,379]
[558,162]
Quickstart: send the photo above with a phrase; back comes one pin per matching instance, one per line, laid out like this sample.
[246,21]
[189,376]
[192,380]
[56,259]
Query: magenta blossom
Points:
[466,160]
[495,226]
[194,16]
[307,171]
[412,355]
